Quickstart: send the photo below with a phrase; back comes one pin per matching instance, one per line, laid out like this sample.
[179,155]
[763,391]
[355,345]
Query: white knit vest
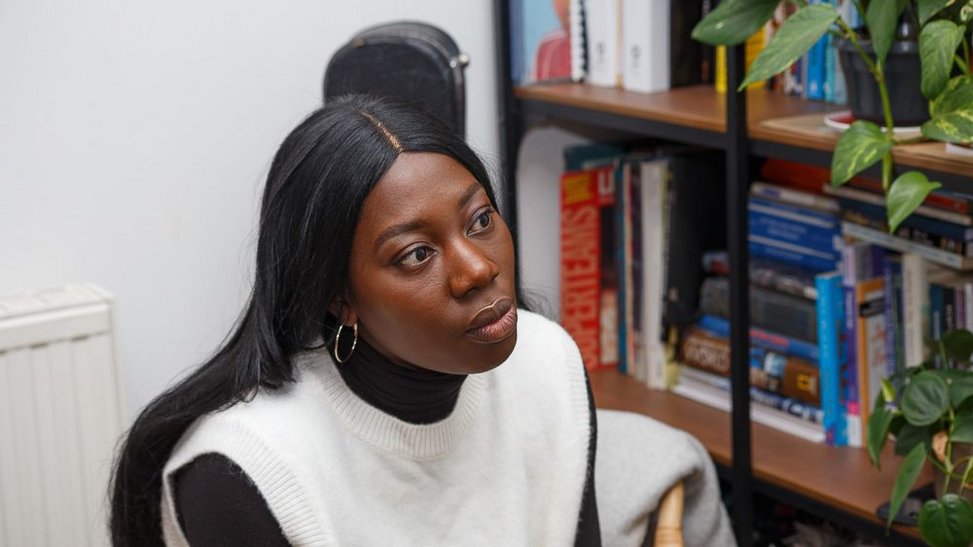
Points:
[507,467]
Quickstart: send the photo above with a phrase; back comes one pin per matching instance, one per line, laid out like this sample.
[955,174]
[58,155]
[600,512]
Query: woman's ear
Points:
[344,311]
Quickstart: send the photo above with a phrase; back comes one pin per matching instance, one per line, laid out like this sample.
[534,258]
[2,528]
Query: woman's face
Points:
[432,269]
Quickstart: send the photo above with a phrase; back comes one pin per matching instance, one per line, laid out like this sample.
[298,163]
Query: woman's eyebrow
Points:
[468,194]
[397,230]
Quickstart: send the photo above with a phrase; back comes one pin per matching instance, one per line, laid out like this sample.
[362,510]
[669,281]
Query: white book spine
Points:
[576,28]
[603,32]
[915,308]
[652,178]
[645,45]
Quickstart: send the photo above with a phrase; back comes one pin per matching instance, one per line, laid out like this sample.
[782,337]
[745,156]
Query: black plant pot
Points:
[903,76]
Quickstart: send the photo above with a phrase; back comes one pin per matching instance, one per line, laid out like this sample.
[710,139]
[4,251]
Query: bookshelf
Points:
[838,484]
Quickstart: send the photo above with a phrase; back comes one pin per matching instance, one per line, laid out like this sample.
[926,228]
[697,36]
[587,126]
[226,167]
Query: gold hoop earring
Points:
[354,342]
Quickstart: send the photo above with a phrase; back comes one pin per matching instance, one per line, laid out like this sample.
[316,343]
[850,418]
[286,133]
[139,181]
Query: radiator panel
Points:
[60,412]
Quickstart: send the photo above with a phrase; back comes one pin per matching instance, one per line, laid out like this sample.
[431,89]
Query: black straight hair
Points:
[317,182]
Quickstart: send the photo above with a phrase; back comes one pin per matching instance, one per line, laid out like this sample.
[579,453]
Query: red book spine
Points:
[581,262]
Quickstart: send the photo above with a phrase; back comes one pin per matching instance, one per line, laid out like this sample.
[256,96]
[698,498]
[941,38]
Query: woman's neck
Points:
[413,395]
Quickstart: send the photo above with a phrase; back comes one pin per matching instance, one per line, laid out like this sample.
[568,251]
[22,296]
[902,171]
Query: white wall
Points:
[135,136]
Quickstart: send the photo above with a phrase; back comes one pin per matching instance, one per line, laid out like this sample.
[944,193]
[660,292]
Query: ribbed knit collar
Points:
[380,428]
[412,395]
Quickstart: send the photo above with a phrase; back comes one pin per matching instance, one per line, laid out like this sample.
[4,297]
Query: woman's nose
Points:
[470,269]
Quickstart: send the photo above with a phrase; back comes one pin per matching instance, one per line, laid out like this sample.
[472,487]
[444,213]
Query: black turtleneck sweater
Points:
[218,504]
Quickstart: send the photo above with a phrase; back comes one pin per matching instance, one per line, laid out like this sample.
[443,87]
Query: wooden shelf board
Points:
[698,107]
[773,117]
[809,131]
[842,477]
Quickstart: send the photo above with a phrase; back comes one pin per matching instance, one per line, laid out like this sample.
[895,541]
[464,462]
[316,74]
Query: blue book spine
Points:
[761,247]
[781,229]
[804,214]
[814,85]
[830,329]
[763,338]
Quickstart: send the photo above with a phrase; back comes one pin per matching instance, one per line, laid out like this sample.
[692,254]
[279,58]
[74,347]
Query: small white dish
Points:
[843,119]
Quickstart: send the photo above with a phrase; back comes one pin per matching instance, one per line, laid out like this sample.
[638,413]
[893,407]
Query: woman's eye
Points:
[482,221]
[416,256]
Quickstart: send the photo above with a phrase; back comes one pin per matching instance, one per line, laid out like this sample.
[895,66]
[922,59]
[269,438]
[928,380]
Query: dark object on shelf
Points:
[409,60]
[909,512]
[903,77]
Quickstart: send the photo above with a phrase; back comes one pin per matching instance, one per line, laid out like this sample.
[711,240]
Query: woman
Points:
[382,387]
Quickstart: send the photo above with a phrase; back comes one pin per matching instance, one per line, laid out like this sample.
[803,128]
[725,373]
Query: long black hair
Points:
[316,185]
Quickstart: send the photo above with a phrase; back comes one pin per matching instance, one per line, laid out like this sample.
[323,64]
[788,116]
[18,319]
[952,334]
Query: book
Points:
[771,371]
[690,61]
[588,280]
[928,225]
[695,221]
[911,233]
[854,190]
[768,274]
[654,187]
[831,329]
[645,45]
[796,255]
[540,41]
[793,196]
[884,239]
[785,314]
[778,222]
[603,38]
[915,308]
[892,278]
[794,407]
[872,359]
[719,398]
[764,338]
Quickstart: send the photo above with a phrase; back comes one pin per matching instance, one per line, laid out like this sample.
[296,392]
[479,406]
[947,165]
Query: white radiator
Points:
[60,416]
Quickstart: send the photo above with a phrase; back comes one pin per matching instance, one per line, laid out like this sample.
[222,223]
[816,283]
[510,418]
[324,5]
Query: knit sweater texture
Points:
[506,467]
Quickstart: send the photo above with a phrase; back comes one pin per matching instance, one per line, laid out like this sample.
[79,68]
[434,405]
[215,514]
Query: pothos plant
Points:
[929,410]
[944,50]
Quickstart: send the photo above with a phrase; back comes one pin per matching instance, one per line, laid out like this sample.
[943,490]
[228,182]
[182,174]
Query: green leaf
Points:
[908,472]
[906,193]
[733,21]
[957,94]
[925,398]
[910,436]
[878,429]
[963,429]
[937,46]
[953,117]
[958,344]
[947,522]
[881,23]
[960,389]
[860,146]
[928,8]
[794,37]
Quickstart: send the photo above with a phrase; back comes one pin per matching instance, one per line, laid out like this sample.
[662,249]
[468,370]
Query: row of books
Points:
[626,281]
[639,45]
[876,301]
[645,46]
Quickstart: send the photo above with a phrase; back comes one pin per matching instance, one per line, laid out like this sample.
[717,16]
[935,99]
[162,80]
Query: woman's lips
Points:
[495,323]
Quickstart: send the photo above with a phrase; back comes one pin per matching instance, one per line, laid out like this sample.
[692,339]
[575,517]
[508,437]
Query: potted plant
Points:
[929,410]
[946,82]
